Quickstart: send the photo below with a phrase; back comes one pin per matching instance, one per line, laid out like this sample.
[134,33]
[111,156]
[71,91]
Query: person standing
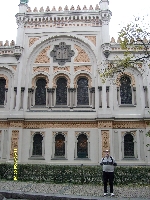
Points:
[108,164]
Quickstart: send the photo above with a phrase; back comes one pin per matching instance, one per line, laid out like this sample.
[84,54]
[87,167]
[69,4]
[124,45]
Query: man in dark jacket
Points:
[108,164]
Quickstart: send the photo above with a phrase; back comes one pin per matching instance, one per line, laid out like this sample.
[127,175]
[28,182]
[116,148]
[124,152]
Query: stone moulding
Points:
[100,124]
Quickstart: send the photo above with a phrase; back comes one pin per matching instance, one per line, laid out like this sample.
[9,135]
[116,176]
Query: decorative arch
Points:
[61,75]
[127,74]
[84,75]
[39,76]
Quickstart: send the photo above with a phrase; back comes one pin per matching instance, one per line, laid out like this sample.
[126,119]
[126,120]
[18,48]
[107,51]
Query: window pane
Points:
[40,93]
[37,144]
[125,90]
[128,146]
[2,91]
[60,145]
[82,92]
[61,92]
[82,146]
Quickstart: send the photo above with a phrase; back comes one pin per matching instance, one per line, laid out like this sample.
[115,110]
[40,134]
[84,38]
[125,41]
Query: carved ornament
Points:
[61,76]
[82,55]
[14,142]
[92,39]
[105,141]
[41,69]
[33,40]
[82,68]
[84,76]
[128,74]
[42,56]
[56,69]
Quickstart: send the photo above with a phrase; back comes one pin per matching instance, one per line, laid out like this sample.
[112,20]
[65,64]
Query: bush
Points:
[75,174]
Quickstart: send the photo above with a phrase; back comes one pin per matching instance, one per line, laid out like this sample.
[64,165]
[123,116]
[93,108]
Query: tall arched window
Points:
[82,146]
[82,92]
[37,144]
[125,90]
[61,92]
[2,90]
[60,145]
[40,93]
[128,145]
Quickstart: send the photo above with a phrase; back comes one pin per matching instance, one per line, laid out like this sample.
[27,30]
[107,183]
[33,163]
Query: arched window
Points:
[82,146]
[40,93]
[61,92]
[125,90]
[128,145]
[60,145]
[2,90]
[82,92]
[37,144]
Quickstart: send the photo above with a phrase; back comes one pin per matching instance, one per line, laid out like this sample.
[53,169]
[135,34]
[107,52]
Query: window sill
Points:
[82,159]
[130,158]
[127,105]
[59,158]
[36,158]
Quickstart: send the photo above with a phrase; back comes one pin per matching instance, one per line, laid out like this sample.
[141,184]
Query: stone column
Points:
[145,96]
[29,98]
[6,93]
[100,96]
[49,98]
[22,95]
[134,96]
[15,94]
[107,96]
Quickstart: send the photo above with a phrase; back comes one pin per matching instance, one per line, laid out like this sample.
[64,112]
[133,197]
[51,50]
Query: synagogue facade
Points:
[54,107]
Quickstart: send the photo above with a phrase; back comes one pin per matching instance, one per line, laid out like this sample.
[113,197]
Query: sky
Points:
[123,12]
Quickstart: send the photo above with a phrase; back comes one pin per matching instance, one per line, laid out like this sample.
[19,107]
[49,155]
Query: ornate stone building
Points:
[54,107]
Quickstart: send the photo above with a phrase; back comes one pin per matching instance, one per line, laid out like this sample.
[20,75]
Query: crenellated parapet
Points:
[52,17]
[10,49]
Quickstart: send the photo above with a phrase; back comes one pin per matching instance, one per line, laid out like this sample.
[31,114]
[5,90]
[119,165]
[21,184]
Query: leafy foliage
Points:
[75,174]
[134,40]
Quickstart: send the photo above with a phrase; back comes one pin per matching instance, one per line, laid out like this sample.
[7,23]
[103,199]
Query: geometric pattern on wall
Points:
[105,141]
[42,56]
[14,142]
[82,55]
[33,40]
[92,39]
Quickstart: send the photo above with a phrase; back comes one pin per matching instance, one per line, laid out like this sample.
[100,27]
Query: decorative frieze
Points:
[14,142]
[128,124]
[105,141]
[82,68]
[32,40]
[82,55]
[92,39]
[64,124]
[42,56]
[105,124]
[16,124]
[56,69]
[40,69]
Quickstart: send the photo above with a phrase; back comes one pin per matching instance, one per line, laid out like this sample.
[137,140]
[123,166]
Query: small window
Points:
[61,92]
[40,93]
[82,146]
[60,145]
[37,145]
[82,92]
[2,90]
[125,90]
[128,146]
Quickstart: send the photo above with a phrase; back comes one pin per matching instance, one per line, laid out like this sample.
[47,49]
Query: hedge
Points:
[137,175]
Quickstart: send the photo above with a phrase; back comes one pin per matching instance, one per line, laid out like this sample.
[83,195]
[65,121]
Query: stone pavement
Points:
[46,191]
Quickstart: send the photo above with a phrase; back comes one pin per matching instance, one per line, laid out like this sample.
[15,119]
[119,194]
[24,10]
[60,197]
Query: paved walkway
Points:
[44,191]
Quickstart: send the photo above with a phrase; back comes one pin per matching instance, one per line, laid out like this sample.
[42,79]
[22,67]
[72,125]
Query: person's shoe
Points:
[105,194]
[112,194]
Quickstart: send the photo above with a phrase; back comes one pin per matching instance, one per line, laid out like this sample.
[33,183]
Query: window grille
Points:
[37,144]
[60,145]
[82,146]
[40,93]
[125,90]
[61,92]
[2,90]
[82,92]
[128,145]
